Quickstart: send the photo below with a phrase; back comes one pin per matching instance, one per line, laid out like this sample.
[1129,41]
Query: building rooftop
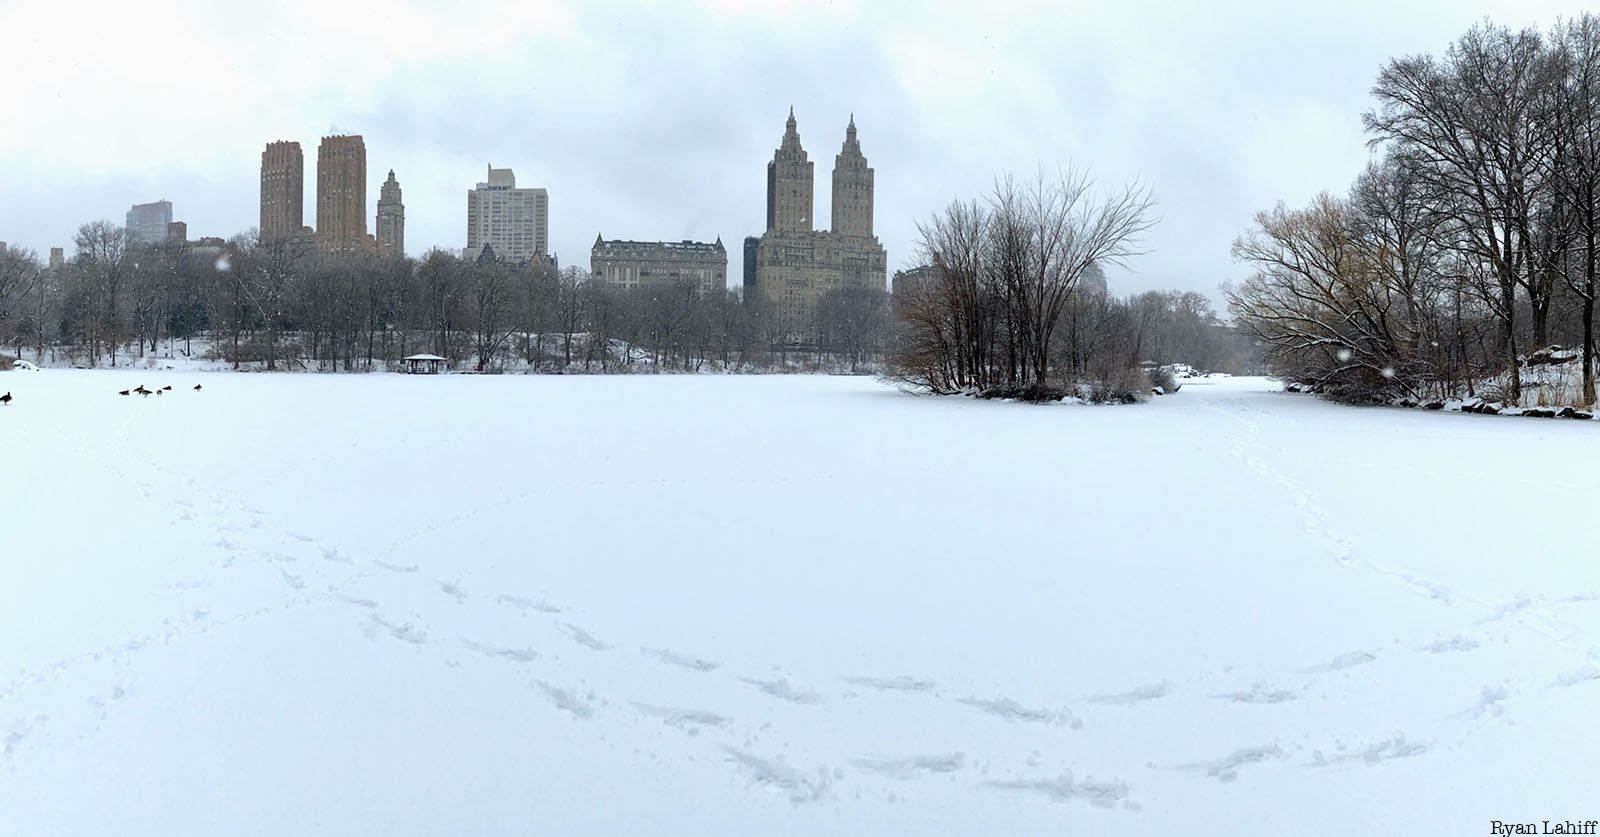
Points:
[685,248]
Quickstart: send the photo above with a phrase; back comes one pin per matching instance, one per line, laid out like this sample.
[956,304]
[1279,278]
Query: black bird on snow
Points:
[123,392]
[167,387]
[6,399]
[141,390]
[196,387]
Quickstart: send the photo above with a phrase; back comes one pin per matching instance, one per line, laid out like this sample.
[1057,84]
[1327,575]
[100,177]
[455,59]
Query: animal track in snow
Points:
[893,684]
[1152,691]
[453,590]
[521,655]
[19,731]
[780,689]
[1421,585]
[1064,789]
[688,719]
[1587,674]
[1455,643]
[404,632]
[1343,662]
[398,568]
[1259,693]
[1012,711]
[568,701]
[1491,702]
[1398,747]
[913,766]
[527,604]
[777,775]
[670,658]
[584,638]
[293,580]
[1226,769]
[1518,605]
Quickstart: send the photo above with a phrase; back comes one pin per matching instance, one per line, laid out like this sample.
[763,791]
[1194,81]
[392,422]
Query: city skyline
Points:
[676,153]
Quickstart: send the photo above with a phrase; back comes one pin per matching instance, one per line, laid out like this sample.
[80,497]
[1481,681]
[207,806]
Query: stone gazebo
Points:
[424,364]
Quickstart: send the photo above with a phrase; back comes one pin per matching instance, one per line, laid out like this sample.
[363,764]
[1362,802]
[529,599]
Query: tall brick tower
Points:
[283,180]
[342,194]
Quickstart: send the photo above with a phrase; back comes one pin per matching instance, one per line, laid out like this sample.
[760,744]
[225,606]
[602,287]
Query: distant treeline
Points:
[1471,242]
[279,304]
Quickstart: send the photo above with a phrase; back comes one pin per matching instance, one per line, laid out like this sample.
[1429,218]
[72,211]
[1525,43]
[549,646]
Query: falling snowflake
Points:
[1388,371]
[1344,355]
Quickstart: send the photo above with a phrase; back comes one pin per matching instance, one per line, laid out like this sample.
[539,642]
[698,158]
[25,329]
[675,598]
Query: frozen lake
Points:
[303,604]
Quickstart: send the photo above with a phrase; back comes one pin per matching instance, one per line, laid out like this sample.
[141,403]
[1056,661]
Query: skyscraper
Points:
[342,194]
[391,228]
[515,222]
[283,182]
[147,222]
[795,265]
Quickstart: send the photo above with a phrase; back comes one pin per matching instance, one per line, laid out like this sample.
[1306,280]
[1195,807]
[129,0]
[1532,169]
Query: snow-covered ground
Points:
[783,605]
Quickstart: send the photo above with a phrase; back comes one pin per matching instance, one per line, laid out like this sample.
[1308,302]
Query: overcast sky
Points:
[656,120]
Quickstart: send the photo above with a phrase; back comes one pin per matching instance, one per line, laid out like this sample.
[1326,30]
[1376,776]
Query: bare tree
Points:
[1004,274]
[20,274]
[1470,126]
[1578,179]
[102,266]
[491,297]
[268,273]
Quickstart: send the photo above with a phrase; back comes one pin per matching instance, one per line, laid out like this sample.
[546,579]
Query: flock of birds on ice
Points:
[5,400]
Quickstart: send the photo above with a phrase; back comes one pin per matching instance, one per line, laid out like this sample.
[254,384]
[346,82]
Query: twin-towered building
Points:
[793,265]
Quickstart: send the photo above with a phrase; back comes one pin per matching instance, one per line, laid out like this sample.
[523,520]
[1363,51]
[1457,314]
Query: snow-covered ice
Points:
[395,605]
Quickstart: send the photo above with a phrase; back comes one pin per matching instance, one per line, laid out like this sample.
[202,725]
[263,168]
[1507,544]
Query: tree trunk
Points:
[1588,317]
